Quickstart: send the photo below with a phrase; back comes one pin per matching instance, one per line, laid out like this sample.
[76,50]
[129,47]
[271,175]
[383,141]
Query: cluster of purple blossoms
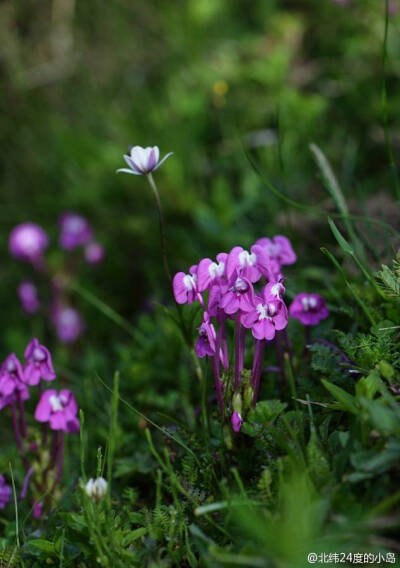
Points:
[246,287]
[56,410]
[28,242]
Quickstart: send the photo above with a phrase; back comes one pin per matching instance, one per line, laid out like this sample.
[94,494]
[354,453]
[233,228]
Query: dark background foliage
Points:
[238,91]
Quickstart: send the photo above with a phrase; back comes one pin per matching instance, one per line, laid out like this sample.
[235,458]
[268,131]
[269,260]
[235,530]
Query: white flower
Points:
[96,489]
[142,161]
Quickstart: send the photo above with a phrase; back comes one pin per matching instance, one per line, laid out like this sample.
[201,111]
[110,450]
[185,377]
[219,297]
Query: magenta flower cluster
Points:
[245,286]
[28,242]
[56,410]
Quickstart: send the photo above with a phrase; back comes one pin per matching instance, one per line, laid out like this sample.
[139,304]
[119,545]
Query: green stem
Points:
[161,225]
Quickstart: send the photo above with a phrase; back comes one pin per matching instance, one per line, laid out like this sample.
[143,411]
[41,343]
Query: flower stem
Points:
[161,225]
[25,484]
[222,342]
[218,383]
[279,354]
[22,420]
[257,367]
[238,351]
[16,428]
[60,457]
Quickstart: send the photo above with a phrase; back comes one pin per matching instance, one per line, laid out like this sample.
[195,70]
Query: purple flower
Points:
[59,409]
[268,314]
[280,252]
[27,242]
[210,272]
[68,323]
[309,309]
[37,510]
[11,373]
[75,231]
[251,265]
[27,294]
[236,421]
[206,343]
[11,386]
[5,492]
[38,363]
[275,289]
[94,253]
[215,296]
[185,286]
[142,161]
[239,296]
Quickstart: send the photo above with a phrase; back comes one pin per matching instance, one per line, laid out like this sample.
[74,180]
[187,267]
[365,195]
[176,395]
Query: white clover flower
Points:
[96,489]
[142,161]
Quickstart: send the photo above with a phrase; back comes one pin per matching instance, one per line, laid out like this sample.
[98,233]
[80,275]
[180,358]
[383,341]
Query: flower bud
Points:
[248,396]
[96,489]
[237,402]
[236,422]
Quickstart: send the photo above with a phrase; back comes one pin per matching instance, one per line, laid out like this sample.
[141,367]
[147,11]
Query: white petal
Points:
[139,156]
[126,171]
[163,160]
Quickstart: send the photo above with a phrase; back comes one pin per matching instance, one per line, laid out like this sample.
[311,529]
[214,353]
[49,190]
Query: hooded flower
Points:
[280,252]
[11,385]
[206,343]
[75,231]
[94,253]
[59,409]
[142,161]
[215,296]
[39,364]
[5,492]
[239,296]
[185,286]
[68,323]
[210,272]
[251,265]
[27,294]
[268,314]
[28,242]
[309,309]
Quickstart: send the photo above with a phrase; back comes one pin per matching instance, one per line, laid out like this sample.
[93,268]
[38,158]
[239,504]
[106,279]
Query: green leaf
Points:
[266,411]
[344,245]
[346,401]
[384,418]
[367,387]
[41,545]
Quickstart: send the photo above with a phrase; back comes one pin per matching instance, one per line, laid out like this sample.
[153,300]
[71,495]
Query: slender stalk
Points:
[223,344]
[22,420]
[25,484]
[307,339]
[60,457]
[288,348]
[161,225]
[238,356]
[54,449]
[218,383]
[257,367]
[16,429]
[279,354]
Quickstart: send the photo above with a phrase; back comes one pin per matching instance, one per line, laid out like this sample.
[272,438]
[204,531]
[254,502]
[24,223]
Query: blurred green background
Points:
[209,80]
